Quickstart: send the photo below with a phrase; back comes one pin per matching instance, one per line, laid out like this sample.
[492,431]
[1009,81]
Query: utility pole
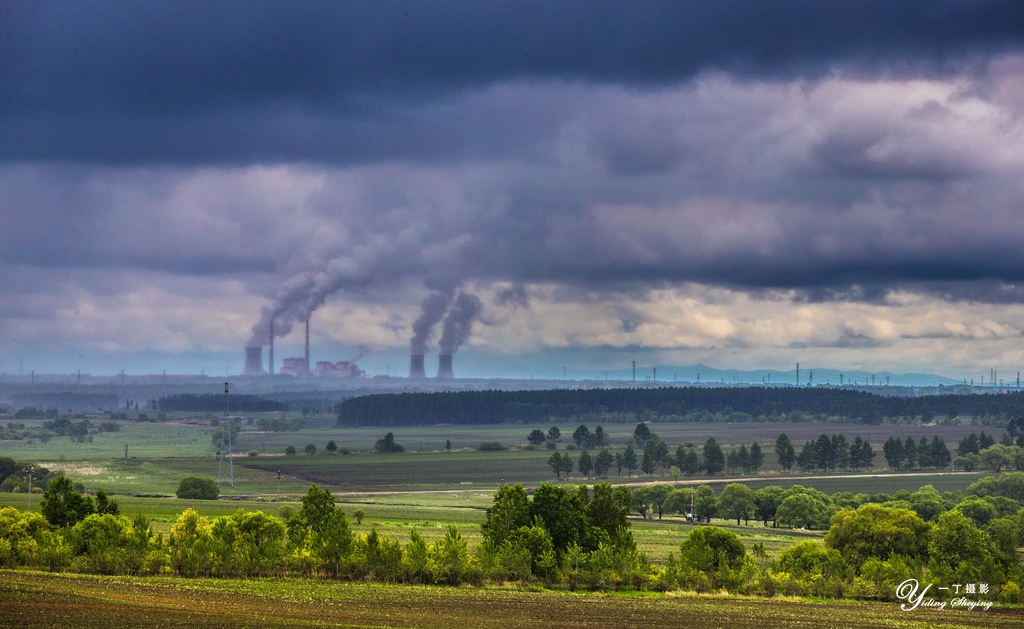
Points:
[798,374]
[634,371]
[654,371]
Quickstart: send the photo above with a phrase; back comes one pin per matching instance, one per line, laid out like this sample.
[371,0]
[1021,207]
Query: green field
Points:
[30,599]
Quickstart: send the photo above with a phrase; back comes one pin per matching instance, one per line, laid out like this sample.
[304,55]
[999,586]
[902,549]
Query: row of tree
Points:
[683,403]
[214,403]
[569,538]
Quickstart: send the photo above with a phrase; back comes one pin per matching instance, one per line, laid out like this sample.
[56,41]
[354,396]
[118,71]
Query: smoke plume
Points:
[433,308]
[457,324]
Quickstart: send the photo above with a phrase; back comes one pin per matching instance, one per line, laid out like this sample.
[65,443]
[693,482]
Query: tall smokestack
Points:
[253,361]
[444,367]
[307,344]
[416,369]
[271,347]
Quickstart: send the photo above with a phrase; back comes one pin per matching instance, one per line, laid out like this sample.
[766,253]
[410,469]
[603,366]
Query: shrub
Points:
[197,488]
[253,453]
[491,446]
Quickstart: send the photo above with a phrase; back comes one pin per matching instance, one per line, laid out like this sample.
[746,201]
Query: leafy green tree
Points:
[705,502]
[800,510]
[448,559]
[997,456]
[536,437]
[714,460]
[957,542]
[563,515]
[62,505]
[601,437]
[979,510]
[509,511]
[197,488]
[289,451]
[191,545]
[874,531]
[104,505]
[736,501]
[310,449]
[811,561]
[785,451]
[650,498]
[608,510]
[331,447]
[331,541]
[967,462]
[767,501]
[714,551]
[317,507]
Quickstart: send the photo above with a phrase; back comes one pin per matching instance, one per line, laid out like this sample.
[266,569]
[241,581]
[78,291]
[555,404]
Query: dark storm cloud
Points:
[193,81]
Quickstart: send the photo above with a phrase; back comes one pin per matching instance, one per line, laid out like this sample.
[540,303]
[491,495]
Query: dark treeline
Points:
[667,404]
[214,403]
[66,400]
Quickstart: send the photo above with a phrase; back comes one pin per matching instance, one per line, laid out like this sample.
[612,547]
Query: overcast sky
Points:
[740,183]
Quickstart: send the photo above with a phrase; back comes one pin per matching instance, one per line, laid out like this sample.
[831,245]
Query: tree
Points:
[756,457]
[554,434]
[998,456]
[874,531]
[800,510]
[331,447]
[104,505]
[767,501]
[555,462]
[562,513]
[197,488]
[600,436]
[310,449]
[641,434]
[509,511]
[387,445]
[651,497]
[448,445]
[785,451]
[647,464]
[714,460]
[608,510]
[689,462]
[536,437]
[62,505]
[317,506]
[629,459]
[603,462]
[711,549]
[955,541]
[580,435]
[736,501]
[705,502]
[585,464]
[289,451]
[967,462]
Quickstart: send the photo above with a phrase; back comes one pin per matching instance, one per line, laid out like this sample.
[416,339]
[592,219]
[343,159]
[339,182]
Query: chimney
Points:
[307,345]
[416,369]
[444,367]
[271,347]
[253,361]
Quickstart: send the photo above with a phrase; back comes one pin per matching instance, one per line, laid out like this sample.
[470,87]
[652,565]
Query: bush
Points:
[198,488]
[491,446]
[253,453]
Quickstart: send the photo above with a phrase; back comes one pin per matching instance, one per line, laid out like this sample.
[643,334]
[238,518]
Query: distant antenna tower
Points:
[225,443]
[811,381]
[654,373]
[634,371]
[840,379]
[798,374]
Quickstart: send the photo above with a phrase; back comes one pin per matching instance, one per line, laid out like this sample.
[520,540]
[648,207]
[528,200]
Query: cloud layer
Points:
[733,182]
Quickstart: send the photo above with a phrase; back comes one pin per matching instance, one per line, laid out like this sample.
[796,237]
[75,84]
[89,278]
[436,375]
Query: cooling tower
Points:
[444,366]
[253,361]
[416,369]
